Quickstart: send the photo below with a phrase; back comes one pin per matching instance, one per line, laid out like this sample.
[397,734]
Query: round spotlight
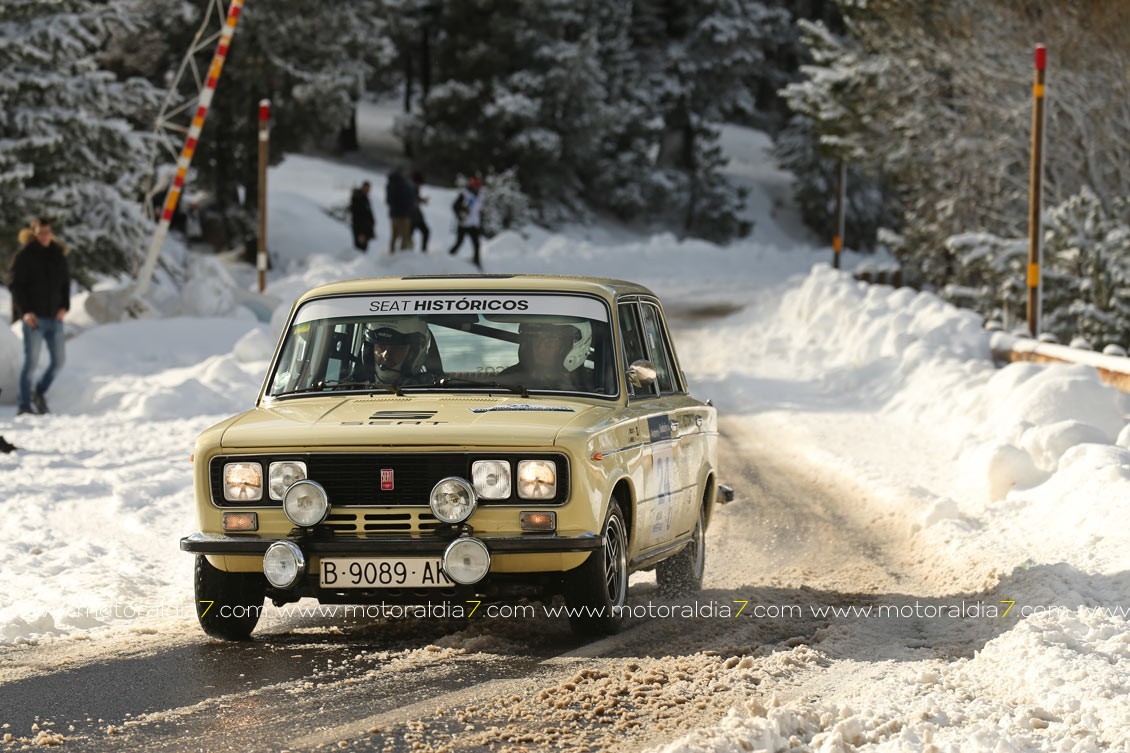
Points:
[306,503]
[452,500]
[283,564]
[466,560]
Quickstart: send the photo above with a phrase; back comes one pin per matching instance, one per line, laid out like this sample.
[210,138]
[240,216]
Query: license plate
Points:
[383,572]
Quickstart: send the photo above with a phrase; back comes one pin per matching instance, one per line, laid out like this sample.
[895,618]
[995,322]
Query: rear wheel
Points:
[596,590]
[681,575]
[228,605]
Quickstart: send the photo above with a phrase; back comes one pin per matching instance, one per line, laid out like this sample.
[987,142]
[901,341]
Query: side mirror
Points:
[641,373]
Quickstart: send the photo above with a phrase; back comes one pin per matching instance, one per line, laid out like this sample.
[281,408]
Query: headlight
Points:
[452,500]
[537,479]
[466,561]
[283,564]
[306,503]
[491,479]
[243,482]
[284,473]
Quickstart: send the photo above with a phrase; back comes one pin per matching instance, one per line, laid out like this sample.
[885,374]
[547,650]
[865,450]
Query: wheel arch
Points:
[623,493]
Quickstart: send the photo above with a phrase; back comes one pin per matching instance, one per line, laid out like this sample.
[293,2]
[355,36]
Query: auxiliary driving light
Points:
[452,500]
[466,560]
[306,503]
[283,564]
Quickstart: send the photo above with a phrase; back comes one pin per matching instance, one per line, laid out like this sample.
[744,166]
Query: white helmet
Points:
[578,335]
[411,332]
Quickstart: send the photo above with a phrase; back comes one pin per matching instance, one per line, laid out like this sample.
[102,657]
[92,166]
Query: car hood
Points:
[310,423]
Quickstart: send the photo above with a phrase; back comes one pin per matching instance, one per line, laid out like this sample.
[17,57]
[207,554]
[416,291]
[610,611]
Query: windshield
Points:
[517,342]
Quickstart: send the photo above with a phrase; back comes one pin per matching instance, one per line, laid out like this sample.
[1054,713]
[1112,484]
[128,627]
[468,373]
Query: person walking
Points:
[361,217]
[418,221]
[400,196]
[468,208]
[41,290]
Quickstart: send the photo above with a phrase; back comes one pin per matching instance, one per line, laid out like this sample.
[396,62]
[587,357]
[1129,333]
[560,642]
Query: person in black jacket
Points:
[361,216]
[418,221]
[400,195]
[41,291]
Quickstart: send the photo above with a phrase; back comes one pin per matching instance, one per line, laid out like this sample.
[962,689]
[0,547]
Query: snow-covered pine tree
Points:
[69,149]
[1086,272]
[831,125]
[517,85]
[703,59]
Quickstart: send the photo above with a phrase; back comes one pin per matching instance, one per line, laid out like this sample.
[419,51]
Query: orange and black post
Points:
[1035,196]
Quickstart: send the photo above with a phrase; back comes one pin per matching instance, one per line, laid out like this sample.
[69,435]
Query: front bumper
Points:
[382,544]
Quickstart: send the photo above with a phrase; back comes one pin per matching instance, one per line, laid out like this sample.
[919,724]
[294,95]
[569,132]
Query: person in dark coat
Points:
[418,221]
[361,215]
[400,195]
[41,291]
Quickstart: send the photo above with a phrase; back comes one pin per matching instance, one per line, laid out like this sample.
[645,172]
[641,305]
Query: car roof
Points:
[604,287]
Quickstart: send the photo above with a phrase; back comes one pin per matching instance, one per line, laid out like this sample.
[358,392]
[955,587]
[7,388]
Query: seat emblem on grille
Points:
[386,480]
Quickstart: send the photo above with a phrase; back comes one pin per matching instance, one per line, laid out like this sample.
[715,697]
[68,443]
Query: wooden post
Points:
[838,238]
[264,142]
[1035,196]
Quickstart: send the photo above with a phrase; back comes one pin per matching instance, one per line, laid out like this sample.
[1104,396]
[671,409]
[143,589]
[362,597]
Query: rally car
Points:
[450,438]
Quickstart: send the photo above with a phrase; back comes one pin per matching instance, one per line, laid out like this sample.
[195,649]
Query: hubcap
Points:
[699,547]
[615,561]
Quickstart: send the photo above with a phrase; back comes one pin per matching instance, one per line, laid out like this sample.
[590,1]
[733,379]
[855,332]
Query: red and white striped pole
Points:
[173,195]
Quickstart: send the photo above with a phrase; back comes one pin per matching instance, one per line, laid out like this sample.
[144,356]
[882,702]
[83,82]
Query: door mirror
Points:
[642,374]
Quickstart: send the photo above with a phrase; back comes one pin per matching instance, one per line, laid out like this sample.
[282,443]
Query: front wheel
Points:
[596,591]
[228,605]
[681,575]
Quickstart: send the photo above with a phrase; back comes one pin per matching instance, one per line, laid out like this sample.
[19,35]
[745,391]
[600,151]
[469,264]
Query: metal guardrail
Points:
[1114,370]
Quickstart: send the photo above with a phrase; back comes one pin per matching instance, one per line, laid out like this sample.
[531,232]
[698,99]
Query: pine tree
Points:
[1086,272]
[69,148]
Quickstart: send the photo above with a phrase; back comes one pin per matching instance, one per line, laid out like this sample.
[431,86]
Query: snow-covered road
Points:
[881,461]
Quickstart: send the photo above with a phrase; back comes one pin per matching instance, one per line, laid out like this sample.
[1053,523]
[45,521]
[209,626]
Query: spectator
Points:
[468,208]
[401,199]
[41,290]
[361,217]
[418,222]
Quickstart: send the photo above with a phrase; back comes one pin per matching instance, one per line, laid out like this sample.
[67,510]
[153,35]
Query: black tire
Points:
[681,575]
[599,587]
[228,605]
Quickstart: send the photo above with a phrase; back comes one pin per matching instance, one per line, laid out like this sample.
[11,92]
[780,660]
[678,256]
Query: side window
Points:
[657,345]
[634,349]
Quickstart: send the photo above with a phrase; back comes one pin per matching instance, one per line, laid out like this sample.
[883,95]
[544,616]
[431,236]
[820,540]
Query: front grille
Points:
[350,522]
[354,479]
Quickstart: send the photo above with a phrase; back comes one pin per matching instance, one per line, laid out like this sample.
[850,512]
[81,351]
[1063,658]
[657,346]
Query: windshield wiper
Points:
[330,385]
[451,381]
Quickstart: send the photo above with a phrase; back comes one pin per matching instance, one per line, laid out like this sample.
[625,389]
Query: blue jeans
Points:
[50,330]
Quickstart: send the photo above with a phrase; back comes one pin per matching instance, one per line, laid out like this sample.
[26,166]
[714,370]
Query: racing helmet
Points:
[410,332]
[576,338]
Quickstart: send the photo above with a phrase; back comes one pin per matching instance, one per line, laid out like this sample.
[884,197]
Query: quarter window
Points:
[658,347]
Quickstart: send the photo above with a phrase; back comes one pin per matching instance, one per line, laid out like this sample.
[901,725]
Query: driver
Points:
[395,351]
[549,355]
